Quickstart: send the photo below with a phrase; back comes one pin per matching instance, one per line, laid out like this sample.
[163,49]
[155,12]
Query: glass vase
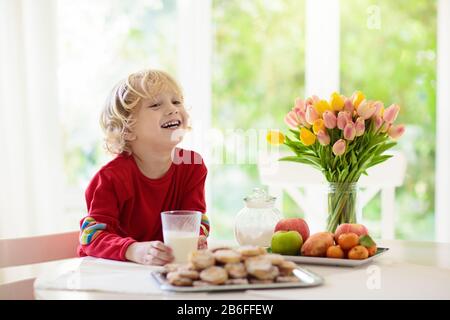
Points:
[343,204]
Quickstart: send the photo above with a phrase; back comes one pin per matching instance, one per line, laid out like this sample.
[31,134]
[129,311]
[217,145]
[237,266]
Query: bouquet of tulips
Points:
[342,137]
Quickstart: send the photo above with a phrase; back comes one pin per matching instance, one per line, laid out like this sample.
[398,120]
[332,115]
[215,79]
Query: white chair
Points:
[289,177]
[33,250]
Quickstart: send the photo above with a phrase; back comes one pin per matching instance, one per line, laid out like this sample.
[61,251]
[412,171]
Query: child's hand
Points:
[150,253]
[202,243]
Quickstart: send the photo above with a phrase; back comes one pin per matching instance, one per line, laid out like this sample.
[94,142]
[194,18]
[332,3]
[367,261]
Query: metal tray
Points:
[335,262]
[306,277]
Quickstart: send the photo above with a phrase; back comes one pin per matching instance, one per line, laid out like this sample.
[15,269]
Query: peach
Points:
[335,252]
[348,240]
[372,250]
[293,224]
[317,244]
[358,253]
[359,229]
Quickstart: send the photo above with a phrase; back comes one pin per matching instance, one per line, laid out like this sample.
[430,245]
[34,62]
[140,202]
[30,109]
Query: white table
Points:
[409,270]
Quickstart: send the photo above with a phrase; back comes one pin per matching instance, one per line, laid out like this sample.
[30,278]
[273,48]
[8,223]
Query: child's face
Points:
[160,121]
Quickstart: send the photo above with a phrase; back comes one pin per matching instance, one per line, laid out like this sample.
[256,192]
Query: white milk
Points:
[182,243]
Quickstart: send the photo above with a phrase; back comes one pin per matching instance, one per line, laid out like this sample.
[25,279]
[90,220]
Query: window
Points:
[258,70]
[388,51]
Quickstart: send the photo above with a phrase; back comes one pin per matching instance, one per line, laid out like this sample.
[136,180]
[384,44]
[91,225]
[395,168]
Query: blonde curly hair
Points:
[117,118]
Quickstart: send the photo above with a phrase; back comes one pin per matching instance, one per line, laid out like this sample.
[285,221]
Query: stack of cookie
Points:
[225,266]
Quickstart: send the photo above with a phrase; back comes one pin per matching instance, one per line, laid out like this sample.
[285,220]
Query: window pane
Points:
[258,70]
[388,51]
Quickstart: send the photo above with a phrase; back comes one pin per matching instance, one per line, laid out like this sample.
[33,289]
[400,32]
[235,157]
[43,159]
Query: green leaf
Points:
[366,241]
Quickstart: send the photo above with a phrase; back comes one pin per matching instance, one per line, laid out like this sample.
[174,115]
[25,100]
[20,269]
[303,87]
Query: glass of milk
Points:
[181,229]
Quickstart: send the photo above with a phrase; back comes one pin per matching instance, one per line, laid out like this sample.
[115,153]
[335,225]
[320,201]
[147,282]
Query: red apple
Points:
[359,229]
[296,224]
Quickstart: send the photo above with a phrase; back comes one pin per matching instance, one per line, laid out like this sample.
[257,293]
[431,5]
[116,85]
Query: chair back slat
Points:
[24,251]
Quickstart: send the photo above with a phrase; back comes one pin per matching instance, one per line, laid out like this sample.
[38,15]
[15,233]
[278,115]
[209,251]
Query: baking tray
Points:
[306,277]
[335,262]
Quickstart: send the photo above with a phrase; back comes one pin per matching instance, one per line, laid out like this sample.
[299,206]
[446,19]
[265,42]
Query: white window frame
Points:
[442,204]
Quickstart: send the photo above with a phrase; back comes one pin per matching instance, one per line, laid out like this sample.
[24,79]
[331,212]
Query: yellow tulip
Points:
[321,106]
[318,125]
[337,102]
[275,137]
[307,137]
[357,96]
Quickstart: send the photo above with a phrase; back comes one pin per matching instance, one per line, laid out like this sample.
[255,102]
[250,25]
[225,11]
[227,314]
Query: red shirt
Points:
[125,206]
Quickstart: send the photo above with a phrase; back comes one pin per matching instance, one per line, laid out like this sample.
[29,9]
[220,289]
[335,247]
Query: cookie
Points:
[236,270]
[261,268]
[227,256]
[275,258]
[201,259]
[170,267]
[286,268]
[191,274]
[176,279]
[214,275]
[251,251]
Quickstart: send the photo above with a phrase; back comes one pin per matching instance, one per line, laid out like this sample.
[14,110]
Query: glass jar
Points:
[255,223]
[343,204]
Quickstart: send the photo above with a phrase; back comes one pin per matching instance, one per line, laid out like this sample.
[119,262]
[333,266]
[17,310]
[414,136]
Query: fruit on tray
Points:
[287,242]
[358,253]
[296,224]
[348,240]
[368,242]
[357,228]
[317,244]
[335,252]
[351,241]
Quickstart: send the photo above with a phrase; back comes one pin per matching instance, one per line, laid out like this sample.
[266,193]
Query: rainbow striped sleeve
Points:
[205,225]
[90,229]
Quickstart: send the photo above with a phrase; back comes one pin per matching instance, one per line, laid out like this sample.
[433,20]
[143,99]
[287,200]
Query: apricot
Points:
[358,253]
[348,240]
[372,250]
[335,252]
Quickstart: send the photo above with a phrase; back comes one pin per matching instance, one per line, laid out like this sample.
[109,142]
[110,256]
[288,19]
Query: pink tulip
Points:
[342,119]
[360,126]
[349,131]
[311,100]
[366,109]
[329,119]
[311,114]
[315,98]
[396,132]
[378,122]
[302,117]
[300,105]
[291,120]
[297,116]
[339,147]
[348,106]
[391,113]
[379,108]
[323,137]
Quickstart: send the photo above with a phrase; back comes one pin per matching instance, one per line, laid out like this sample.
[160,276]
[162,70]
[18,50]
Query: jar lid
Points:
[259,199]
